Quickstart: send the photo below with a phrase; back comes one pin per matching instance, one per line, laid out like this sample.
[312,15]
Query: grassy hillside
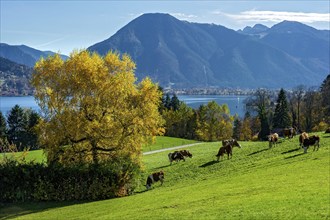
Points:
[257,183]
[161,142]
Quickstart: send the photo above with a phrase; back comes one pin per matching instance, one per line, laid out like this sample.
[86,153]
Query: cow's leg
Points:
[305,149]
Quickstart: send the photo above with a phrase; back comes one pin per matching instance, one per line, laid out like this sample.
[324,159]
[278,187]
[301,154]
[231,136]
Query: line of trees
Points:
[303,109]
[211,122]
[18,128]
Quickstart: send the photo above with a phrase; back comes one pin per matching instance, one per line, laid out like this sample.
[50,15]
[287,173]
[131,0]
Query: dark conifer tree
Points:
[264,124]
[325,93]
[31,135]
[175,103]
[281,116]
[237,129]
[167,101]
[3,126]
[17,126]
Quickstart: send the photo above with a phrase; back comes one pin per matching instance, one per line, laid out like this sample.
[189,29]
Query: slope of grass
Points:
[33,155]
[161,142]
[166,142]
[257,183]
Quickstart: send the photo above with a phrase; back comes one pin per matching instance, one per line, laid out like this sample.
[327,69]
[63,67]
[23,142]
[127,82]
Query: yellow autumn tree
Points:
[93,108]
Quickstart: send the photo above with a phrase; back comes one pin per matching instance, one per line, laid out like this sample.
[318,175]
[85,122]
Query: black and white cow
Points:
[175,156]
[186,153]
[155,177]
[313,140]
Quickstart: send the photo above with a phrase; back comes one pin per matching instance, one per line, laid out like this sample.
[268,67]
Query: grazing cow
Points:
[313,140]
[227,148]
[155,177]
[272,139]
[175,156]
[302,137]
[289,132]
[231,142]
[186,153]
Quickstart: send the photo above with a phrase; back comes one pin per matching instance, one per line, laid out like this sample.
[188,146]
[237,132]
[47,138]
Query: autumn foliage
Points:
[93,108]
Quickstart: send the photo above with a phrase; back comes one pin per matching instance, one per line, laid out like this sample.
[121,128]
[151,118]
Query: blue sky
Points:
[62,26]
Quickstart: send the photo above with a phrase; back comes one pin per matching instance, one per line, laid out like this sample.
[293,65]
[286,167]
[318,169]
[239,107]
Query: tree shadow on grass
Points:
[209,163]
[257,152]
[14,210]
[293,156]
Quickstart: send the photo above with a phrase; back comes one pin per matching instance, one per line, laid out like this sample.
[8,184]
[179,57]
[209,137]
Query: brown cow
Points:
[228,148]
[289,132]
[313,140]
[302,137]
[155,177]
[272,139]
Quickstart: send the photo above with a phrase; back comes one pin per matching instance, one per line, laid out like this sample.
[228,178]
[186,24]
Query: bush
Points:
[21,182]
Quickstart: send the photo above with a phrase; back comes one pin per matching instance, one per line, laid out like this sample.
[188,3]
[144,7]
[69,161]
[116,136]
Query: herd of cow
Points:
[305,142]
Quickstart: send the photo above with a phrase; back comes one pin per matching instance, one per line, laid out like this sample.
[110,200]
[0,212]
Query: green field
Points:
[257,183]
[161,142]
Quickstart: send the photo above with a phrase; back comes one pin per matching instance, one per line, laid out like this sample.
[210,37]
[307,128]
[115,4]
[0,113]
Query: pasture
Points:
[161,142]
[257,183]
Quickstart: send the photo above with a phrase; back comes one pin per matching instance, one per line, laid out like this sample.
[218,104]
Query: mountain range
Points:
[22,54]
[14,78]
[184,54]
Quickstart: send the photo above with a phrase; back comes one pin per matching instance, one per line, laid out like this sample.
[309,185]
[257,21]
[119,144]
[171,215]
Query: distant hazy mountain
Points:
[23,54]
[257,29]
[184,54]
[14,78]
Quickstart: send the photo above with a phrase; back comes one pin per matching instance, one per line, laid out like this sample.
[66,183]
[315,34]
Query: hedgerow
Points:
[30,181]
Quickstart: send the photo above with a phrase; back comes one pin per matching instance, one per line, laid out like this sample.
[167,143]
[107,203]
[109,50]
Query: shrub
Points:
[21,182]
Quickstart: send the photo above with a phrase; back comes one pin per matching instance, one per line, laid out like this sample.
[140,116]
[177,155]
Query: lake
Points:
[235,103]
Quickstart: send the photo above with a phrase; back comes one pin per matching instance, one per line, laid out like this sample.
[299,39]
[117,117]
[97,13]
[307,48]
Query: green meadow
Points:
[161,142]
[257,183]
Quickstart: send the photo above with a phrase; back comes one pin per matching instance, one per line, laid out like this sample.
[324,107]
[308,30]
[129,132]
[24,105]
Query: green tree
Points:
[32,136]
[281,116]
[180,123]
[214,122]
[311,109]
[247,126]
[325,93]
[94,109]
[260,102]
[237,130]
[167,101]
[17,126]
[175,102]
[3,126]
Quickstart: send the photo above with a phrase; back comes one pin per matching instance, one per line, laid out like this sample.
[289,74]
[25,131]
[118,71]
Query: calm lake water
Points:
[235,103]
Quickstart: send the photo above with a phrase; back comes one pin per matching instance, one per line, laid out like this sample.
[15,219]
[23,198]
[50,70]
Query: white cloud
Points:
[277,16]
